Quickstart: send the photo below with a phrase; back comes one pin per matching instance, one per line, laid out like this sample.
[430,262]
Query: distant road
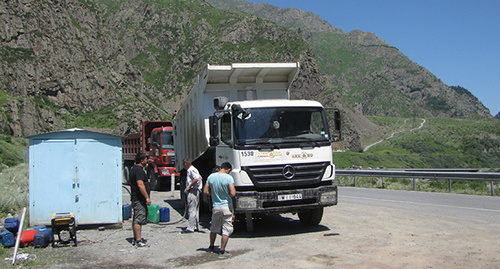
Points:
[394,133]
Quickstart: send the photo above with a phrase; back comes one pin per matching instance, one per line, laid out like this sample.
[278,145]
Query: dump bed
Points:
[237,82]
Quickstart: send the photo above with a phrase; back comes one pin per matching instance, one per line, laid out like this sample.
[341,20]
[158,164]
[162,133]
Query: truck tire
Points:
[125,176]
[153,180]
[311,217]
[205,204]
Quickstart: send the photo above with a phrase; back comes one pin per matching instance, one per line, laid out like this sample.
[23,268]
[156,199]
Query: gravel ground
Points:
[350,236]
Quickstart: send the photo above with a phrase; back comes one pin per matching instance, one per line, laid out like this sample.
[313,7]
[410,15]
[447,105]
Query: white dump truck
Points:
[280,149]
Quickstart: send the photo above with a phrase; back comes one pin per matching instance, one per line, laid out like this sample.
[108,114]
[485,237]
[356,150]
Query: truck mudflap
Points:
[284,201]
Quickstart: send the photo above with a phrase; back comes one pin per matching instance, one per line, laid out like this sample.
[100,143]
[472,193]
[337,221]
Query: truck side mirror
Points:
[336,134]
[220,102]
[337,121]
[214,131]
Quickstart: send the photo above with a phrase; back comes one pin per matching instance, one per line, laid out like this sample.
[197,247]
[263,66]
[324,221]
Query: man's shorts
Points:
[140,212]
[222,220]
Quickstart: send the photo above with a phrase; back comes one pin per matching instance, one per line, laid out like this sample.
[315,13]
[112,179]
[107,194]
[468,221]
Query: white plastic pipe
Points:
[19,233]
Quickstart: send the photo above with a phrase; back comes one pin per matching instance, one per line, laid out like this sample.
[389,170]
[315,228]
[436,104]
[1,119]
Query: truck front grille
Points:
[171,160]
[286,176]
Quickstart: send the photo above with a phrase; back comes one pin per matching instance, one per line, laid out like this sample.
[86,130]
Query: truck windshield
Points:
[167,140]
[282,125]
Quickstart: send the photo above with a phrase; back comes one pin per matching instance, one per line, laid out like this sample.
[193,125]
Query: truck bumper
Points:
[284,201]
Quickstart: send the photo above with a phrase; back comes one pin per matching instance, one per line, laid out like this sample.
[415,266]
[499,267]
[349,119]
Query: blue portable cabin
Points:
[76,171]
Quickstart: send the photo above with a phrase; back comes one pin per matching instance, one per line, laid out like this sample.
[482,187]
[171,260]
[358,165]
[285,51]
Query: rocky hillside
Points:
[373,76]
[109,64]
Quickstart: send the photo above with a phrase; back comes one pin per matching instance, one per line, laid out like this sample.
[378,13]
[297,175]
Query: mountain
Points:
[109,64]
[374,77]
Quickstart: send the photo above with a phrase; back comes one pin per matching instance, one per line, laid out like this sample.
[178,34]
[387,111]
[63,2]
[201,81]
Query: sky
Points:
[457,40]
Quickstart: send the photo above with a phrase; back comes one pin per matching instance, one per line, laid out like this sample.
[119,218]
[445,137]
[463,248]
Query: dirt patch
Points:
[350,236]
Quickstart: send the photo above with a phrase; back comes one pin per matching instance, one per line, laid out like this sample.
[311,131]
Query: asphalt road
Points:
[483,209]
[369,228]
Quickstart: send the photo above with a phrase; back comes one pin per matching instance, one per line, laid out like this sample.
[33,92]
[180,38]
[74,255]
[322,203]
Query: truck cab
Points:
[160,148]
[281,155]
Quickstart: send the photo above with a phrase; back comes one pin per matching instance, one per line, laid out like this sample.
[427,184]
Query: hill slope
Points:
[109,64]
[374,77]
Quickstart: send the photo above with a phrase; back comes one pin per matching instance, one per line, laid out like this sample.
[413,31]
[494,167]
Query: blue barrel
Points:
[12,224]
[164,214]
[126,212]
[38,228]
[7,238]
[43,238]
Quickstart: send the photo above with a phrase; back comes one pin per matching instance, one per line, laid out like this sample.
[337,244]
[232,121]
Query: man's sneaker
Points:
[141,243]
[134,242]
[211,249]
[224,255]
[187,231]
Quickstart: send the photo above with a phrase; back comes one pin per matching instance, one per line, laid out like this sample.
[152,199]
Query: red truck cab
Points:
[155,139]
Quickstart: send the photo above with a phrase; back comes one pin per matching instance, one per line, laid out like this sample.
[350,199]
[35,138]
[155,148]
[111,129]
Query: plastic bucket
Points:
[12,224]
[164,214]
[126,212]
[153,213]
[27,237]
[42,238]
[7,238]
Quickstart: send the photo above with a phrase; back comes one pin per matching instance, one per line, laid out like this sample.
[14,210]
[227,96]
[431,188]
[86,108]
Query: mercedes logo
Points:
[288,172]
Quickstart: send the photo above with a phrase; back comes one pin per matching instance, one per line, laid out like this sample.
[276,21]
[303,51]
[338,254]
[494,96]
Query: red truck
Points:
[156,140]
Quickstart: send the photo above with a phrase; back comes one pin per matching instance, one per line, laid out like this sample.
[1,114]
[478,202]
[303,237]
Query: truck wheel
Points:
[311,217]
[153,180]
[205,204]
[125,176]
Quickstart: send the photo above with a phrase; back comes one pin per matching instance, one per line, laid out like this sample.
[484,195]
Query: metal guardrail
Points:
[491,177]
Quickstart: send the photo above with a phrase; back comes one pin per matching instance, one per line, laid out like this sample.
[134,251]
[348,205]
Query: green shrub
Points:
[12,150]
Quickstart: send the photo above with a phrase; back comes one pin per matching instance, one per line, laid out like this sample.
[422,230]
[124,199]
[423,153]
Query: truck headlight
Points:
[329,197]
[165,172]
[246,202]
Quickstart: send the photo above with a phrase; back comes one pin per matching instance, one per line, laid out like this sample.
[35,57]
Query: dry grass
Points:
[14,189]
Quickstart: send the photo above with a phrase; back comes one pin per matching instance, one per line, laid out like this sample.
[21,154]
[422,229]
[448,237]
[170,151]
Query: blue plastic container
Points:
[12,224]
[126,212]
[7,239]
[164,214]
[43,238]
[38,228]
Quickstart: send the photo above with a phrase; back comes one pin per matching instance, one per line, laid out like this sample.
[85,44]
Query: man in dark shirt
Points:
[140,198]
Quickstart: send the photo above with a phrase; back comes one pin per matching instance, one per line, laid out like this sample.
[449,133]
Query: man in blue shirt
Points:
[220,186]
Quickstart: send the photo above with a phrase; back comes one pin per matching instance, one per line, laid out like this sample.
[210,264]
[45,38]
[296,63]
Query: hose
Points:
[179,221]
[169,223]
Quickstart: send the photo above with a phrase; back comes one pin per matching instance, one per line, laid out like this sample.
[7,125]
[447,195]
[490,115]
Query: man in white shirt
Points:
[193,189]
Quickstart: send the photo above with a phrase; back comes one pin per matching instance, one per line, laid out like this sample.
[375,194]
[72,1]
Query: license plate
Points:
[288,197]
